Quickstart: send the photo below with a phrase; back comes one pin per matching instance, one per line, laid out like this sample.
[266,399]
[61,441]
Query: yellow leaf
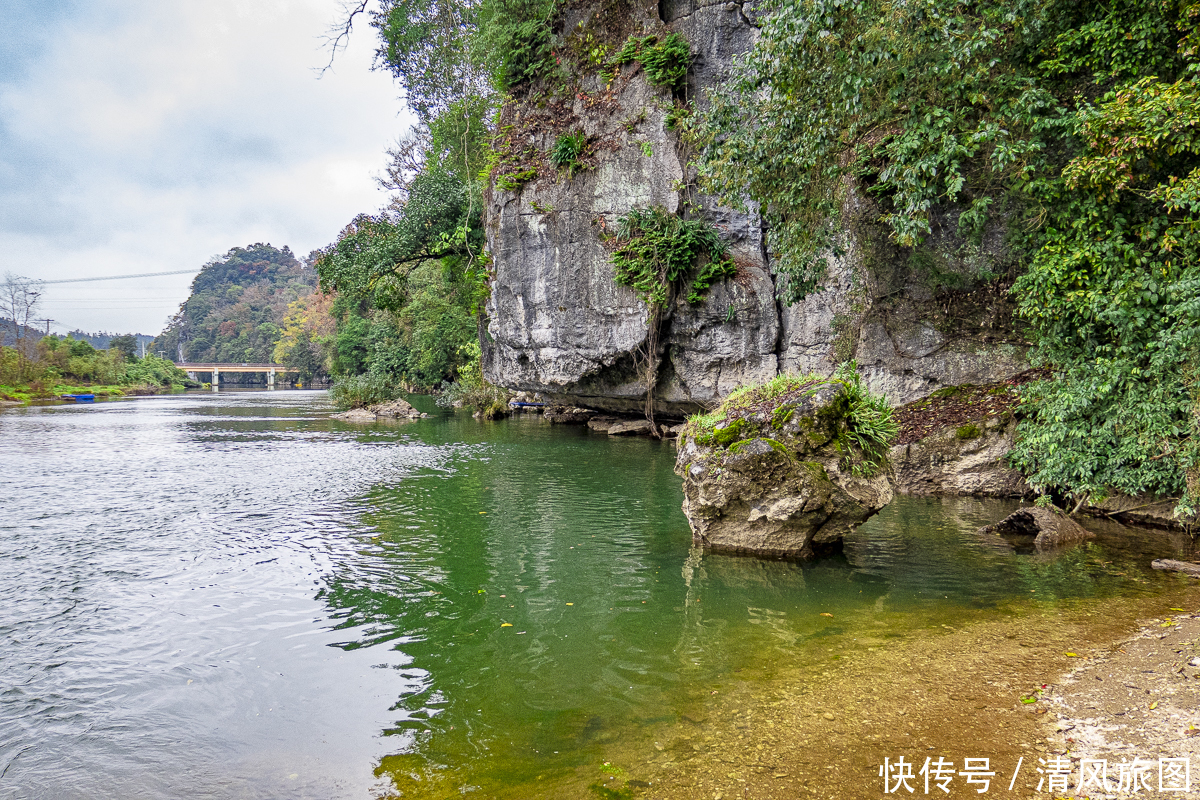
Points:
[1174,609]
[1154,705]
[570,604]
[505,624]
[826,614]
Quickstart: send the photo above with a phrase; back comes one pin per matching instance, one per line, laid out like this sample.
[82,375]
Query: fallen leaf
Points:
[1073,655]
[1154,705]
[570,604]
[505,624]
[826,614]
[1174,609]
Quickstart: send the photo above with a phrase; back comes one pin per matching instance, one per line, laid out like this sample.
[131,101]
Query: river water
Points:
[232,595]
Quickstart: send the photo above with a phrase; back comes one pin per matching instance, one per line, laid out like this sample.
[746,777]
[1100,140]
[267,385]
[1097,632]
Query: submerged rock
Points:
[779,470]
[1047,527]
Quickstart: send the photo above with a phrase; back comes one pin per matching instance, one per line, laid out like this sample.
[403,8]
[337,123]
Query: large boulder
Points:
[778,470]
[1047,528]
[958,460]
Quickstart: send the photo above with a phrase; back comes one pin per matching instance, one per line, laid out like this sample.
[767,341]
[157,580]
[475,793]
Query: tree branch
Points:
[339,35]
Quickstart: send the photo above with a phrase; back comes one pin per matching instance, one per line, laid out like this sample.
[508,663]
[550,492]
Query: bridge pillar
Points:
[216,378]
[271,378]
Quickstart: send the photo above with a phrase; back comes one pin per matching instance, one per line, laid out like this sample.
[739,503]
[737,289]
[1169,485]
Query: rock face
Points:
[1046,527]
[777,480]
[960,460]
[559,325]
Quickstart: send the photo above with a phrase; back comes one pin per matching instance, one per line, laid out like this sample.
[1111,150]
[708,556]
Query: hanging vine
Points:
[659,255]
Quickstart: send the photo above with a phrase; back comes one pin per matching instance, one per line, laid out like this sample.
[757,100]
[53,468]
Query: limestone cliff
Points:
[558,324]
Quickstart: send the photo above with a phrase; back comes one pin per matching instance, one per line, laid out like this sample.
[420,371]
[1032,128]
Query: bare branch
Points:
[405,160]
[19,300]
[338,36]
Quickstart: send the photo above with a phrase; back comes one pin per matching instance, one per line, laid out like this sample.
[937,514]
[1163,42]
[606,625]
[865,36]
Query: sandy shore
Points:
[1051,680]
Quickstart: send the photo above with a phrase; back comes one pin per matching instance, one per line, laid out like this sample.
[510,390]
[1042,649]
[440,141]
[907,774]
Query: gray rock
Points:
[568,415]
[557,323]
[1187,568]
[601,424]
[1046,527]
[396,409]
[392,410]
[947,463]
[779,490]
[356,415]
[630,427]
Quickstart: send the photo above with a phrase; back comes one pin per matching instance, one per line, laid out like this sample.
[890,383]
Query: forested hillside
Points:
[237,306]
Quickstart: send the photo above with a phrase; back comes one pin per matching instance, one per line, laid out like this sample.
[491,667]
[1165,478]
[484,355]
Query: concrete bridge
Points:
[217,369]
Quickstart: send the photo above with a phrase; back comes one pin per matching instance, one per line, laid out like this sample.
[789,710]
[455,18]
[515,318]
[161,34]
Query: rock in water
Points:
[630,427]
[396,409]
[393,409]
[1186,567]
[1048,527]
[776,472]
[568,415]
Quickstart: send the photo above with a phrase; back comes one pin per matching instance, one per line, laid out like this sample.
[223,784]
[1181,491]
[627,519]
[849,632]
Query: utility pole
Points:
[47,321]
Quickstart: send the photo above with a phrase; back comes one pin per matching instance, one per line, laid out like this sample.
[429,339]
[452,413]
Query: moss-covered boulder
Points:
[787,468]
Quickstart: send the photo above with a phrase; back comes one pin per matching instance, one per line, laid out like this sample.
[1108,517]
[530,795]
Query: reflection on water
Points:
[234,596]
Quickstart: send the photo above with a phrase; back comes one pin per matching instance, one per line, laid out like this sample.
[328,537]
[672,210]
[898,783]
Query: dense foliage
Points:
[659,254]
[67,364]
[236,307]
[666,62]
[1072,125]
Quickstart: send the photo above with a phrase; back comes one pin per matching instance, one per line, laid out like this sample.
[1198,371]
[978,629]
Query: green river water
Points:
[231,595]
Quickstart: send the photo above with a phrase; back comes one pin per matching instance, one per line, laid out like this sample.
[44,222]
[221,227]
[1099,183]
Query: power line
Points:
[122,277]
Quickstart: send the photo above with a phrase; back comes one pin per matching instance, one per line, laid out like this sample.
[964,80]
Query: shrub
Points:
[359,391]
[470,390]
[567,152]
[666,63]
[865,428]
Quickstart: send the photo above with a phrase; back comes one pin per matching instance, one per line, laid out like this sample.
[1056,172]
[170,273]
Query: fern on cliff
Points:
[658,251]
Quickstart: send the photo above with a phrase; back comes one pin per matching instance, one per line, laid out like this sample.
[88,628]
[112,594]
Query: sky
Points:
[146,136]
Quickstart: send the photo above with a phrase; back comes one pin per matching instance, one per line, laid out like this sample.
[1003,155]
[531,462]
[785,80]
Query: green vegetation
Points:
[1070,130]
[360,391]
[470,390]
[968,431]
[666,62]
[70,366]
[236,307]
[657,251]
[567,152]
[861,423]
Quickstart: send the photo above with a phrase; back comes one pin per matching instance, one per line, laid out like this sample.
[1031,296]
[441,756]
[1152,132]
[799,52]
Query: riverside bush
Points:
[360,391]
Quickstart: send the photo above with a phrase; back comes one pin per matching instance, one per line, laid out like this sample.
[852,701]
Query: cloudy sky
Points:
[146,136]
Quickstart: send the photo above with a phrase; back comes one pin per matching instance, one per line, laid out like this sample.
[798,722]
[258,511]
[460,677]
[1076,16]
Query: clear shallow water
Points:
[234,596]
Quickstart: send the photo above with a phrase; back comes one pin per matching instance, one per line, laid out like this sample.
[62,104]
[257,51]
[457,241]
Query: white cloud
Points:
[140,136]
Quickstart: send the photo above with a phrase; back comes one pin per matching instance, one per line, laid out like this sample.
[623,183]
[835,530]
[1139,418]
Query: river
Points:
[219,595]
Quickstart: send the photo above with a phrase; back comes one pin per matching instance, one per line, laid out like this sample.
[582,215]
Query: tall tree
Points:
[19,301]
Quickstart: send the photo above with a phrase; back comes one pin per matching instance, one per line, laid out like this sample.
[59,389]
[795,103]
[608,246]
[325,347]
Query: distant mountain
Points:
[101,339]
[8,339]
[237,306]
